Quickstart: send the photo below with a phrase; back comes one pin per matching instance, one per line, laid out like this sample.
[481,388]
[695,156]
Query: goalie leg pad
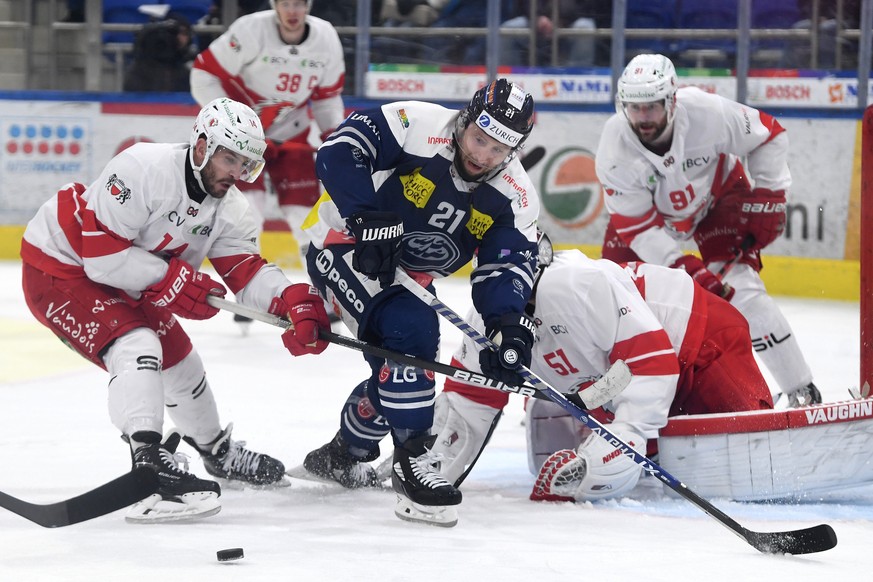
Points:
[549,428]
[461,426]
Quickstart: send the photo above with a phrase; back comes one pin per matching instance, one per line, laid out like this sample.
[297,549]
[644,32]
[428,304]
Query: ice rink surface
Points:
[57,442]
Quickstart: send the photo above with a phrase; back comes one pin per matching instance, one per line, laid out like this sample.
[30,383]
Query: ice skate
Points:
[423,494]
[334,463]
[181,495]
[229,459]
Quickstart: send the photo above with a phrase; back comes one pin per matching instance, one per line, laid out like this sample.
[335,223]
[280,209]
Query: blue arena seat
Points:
[716,14]
[650,14]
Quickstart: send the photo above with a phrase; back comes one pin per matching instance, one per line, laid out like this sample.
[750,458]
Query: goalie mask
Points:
[229,124]
[504,112]
[648,82]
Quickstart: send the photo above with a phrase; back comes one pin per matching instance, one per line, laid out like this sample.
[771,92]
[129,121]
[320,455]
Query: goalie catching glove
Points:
[378,239]
[762,216]
[704,277]
[514,335]
[183,290]
[595,470]
[303,306]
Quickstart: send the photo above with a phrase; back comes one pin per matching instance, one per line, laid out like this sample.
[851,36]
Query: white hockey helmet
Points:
[234,126]
[308,4]
[645,79]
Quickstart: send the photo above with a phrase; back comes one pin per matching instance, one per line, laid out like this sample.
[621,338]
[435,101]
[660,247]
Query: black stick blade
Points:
[802,541]
[118,493]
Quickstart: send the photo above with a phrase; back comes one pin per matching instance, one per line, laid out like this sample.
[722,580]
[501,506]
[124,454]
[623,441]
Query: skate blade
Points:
[438,515]
[240,485]
[155,509]
[300,472]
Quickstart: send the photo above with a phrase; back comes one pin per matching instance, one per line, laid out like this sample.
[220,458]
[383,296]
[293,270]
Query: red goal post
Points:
[866,254]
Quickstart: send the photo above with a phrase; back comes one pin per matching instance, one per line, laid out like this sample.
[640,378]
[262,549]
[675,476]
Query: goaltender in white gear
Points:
[689,352]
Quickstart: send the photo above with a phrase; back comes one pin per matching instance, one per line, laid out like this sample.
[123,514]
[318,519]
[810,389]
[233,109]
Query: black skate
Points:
[333,462]
[229,459]
[423,494]
[181,495]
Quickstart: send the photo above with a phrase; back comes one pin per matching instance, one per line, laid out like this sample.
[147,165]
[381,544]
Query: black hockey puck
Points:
[229,554]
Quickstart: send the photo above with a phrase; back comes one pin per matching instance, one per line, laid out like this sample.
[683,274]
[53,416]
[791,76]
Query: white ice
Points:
[57,442]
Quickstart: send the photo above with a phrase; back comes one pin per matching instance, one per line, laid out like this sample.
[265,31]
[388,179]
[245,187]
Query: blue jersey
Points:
[399,158]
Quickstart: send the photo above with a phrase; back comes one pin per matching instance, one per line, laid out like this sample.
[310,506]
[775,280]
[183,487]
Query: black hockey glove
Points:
[378,239]
[514,334]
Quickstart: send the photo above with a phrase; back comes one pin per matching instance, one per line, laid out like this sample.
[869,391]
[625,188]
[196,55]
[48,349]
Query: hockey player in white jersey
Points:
[283,63]
[108,267]
[670,168]
[688,350]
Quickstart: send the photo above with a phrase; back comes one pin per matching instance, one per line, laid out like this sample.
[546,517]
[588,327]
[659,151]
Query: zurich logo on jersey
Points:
[429,251]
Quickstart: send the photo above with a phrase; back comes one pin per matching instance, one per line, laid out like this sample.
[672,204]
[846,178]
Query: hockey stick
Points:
[594,396]
[117,494]
[729,265]
[803,541]
[533,157]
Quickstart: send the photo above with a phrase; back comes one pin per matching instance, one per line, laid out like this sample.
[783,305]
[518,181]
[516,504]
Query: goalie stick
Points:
[803,541]
[117,494]
[602,391]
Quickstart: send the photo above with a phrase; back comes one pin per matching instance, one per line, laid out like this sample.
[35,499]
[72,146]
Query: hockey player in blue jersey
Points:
[425,188]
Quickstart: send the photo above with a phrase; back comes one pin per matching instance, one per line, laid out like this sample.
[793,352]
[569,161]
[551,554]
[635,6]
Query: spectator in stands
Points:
[576,51]
[411,12]
[162,56]
[461,50]
[75,11]
[827,30]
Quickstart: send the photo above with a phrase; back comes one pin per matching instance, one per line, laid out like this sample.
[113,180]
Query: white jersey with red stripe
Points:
[252,64]
[656,200]
[591,313]
[120,230]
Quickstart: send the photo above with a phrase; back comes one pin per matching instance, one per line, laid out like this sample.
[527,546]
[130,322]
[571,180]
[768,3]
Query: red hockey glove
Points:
[302,304]
[183,291]
[704,277]
[762,215]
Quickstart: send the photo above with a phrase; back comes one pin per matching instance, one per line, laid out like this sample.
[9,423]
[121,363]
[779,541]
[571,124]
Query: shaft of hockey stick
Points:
[729,265]
[602,391]
[117,494]
[533,157]
[805,541]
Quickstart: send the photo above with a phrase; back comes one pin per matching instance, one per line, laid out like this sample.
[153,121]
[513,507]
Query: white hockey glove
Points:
[461,426]
[596,470]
